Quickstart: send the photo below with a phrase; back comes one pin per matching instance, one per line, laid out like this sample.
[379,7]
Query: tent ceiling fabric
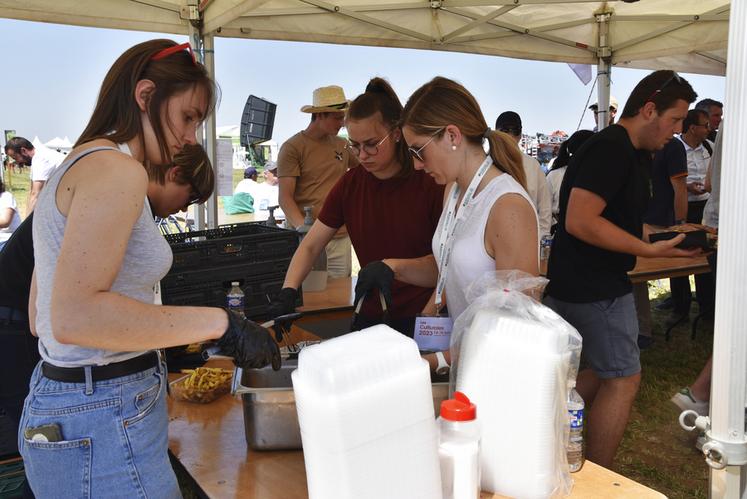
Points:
[685,35]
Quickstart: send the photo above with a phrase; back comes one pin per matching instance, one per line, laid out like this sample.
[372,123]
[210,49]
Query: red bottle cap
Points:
[458,409]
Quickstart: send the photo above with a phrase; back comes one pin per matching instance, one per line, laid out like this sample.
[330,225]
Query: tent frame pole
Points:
[210,131]
[206,215]
[604,69]
[726,445]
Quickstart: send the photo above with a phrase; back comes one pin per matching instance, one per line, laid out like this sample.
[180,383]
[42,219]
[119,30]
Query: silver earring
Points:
[453,147]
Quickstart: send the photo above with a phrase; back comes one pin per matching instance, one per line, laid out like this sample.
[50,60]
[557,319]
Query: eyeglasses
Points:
[416,152]
[162,54]
[674,77]
[706,125]
[371,150]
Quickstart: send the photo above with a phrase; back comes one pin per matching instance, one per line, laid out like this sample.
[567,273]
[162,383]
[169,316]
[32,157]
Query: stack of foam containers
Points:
[515,370]
[365,408]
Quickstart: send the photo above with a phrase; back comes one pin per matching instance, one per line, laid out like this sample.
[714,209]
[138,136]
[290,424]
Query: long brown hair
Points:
[379,97]
[442,102]
[116,116]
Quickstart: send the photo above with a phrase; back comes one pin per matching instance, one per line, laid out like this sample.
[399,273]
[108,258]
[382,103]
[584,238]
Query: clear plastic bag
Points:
[517,360]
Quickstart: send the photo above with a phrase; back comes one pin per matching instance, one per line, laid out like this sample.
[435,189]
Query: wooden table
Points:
[650,269]
[208,440]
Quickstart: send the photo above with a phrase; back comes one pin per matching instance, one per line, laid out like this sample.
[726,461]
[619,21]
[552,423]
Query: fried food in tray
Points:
[202,385]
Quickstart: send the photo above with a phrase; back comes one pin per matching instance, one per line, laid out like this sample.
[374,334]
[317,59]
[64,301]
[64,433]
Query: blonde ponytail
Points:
[507,156]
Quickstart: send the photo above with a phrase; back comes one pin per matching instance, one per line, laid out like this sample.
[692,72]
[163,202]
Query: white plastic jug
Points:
[365,409]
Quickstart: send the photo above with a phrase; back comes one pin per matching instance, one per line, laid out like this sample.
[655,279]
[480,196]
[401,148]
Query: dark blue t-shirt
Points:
[669,163]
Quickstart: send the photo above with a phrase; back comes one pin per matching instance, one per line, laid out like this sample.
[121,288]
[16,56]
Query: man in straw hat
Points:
[310,163]
[612,113]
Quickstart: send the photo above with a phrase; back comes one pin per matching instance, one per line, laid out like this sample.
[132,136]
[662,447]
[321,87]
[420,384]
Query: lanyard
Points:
[454,216]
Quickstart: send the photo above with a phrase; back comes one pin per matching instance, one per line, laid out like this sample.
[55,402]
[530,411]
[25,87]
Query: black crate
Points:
[206,262]
[231,245]
[209,288]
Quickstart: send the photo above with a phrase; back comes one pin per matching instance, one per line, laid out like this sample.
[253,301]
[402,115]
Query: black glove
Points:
[283,304]
[375,275]
[250,345]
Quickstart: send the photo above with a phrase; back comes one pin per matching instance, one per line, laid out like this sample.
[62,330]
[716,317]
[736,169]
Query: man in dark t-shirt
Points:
[668,204]
[603,199]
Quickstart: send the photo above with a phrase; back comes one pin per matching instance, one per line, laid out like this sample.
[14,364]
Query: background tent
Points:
[684,35]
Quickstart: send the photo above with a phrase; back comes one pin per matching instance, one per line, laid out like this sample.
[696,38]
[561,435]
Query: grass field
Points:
[655,450]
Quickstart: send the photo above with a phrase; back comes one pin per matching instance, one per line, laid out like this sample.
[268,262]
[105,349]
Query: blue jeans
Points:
[114,437]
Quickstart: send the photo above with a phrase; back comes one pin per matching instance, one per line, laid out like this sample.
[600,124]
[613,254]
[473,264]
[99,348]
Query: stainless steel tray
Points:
[270,418]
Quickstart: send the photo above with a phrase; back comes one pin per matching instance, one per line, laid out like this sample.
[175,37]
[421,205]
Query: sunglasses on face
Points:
[162,54]
[674,77]
[415,153]
[371,150]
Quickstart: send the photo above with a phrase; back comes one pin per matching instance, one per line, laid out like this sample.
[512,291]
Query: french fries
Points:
[203,384]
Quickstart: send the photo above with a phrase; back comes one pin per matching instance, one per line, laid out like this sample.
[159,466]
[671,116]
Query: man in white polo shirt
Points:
[42,162]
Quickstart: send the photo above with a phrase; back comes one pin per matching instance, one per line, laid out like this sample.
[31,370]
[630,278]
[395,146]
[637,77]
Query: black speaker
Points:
[257,121]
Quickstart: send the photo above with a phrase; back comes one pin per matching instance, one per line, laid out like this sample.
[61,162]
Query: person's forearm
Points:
[290,209]
[300,266]
[111,321]
[430,307]
[31,202]
[6,218]
[680,205]
[421,271]
[600,232]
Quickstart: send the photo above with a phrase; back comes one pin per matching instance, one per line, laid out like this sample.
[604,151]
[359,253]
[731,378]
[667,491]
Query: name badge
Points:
[432,334]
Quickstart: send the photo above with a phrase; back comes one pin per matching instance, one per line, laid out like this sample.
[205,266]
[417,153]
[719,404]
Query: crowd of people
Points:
[429,196]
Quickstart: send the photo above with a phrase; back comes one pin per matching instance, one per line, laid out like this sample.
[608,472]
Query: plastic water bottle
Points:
[575,447]
[545,246]
[235,299]
[459,448]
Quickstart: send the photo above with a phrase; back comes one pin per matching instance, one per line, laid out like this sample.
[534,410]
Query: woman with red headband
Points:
[95,423]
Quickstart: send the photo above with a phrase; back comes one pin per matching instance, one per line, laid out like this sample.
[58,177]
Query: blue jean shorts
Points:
[114,437]
[609,329]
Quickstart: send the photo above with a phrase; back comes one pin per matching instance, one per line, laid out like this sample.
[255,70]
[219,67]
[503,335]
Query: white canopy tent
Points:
[684,35]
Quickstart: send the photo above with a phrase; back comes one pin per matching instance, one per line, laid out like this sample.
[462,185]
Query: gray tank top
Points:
[147,259]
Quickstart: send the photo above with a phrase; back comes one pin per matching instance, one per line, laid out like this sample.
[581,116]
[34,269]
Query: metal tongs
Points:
[238,372]
[214,350]
[384,317]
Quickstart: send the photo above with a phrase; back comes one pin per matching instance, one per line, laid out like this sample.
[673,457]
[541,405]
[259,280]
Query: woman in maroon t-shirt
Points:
[390,211]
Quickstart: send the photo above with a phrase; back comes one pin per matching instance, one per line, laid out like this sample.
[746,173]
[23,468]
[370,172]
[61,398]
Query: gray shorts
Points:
[609,329]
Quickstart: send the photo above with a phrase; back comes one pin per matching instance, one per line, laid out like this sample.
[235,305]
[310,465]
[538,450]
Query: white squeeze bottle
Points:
[575,448]
[459,448]
[235,299]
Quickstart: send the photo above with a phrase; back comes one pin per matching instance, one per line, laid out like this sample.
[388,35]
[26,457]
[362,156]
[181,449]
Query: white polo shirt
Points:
[44,162]
[697,168]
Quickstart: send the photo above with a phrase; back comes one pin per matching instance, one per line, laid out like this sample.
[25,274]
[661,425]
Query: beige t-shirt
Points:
[317,166]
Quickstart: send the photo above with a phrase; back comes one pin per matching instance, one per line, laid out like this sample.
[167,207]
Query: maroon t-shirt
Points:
[393,218]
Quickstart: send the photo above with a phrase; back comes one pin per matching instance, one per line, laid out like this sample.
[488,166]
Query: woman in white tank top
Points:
[488,222]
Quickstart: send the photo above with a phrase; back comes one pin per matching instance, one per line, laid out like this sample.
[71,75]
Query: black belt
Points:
[100,373]
[10,314]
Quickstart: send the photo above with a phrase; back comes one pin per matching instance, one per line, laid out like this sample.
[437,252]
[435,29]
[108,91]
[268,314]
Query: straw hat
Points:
[613,104]
[329,99]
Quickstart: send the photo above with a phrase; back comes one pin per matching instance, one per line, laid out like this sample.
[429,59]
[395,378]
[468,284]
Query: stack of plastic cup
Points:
[365,409]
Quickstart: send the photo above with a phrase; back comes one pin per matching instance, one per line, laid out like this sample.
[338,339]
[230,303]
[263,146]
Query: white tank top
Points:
[469,260]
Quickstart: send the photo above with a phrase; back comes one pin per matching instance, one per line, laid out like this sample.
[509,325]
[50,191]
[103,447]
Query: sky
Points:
[53,74]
